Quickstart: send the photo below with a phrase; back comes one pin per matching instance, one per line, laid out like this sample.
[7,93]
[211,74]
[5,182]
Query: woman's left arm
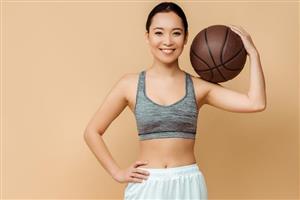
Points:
[255,99]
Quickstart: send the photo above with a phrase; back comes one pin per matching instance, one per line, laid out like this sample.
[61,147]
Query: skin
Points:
[165,85]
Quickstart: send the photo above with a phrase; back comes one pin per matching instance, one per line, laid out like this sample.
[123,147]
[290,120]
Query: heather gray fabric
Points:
[178,120]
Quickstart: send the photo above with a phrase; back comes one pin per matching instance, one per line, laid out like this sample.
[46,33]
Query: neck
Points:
[165,70]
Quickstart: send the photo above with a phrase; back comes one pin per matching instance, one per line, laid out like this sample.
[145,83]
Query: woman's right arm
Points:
[113,104]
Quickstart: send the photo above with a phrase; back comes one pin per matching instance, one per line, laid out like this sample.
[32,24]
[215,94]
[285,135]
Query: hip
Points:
[182,182]
[160,161]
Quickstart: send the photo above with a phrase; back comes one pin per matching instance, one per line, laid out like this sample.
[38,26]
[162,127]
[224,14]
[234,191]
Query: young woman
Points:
[165,101]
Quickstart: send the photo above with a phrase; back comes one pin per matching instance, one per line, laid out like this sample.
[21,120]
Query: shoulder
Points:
[127,83]
[199,82]
[202,87]
[128,79]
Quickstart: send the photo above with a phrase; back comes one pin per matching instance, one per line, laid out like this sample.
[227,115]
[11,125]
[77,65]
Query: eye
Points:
[177,33]
[159,33]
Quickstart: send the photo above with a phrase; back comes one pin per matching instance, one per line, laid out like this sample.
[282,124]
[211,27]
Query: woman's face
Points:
[166,37]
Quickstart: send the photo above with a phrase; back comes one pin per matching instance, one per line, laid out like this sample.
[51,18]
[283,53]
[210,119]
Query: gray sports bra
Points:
[178,120]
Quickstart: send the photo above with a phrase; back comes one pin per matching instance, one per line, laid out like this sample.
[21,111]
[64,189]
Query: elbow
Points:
[88,132]
[260,108]
[85,135]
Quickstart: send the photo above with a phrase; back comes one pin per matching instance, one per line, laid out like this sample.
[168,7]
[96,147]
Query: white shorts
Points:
[183,182]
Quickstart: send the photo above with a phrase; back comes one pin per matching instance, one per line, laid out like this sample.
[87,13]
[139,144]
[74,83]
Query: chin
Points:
[167,61]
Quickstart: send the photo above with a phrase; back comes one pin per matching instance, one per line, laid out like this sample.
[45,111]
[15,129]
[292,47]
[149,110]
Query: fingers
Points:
[135,180]
[138,163]
[238,29]
[141,171]
[234,29]
[138,175]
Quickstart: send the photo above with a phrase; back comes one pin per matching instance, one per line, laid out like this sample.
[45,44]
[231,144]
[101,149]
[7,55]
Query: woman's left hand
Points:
[246,38]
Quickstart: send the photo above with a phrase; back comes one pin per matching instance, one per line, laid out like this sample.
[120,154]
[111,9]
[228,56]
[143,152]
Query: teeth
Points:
[167,50]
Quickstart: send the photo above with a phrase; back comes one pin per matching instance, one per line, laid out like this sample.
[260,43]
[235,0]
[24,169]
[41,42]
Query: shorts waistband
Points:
[173,171]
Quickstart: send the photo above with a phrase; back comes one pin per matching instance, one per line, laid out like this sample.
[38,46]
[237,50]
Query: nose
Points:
[168,40]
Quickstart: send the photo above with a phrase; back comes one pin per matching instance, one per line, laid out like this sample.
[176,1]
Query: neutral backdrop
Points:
[60,60]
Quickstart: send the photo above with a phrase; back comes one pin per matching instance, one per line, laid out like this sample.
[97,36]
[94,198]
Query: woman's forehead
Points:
[168,20]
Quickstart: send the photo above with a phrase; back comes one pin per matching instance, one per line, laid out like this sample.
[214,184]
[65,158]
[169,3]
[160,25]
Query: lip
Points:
[167,53]
[166,49]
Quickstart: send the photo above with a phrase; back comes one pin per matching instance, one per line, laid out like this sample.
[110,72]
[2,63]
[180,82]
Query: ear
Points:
[146,37]
[186,38]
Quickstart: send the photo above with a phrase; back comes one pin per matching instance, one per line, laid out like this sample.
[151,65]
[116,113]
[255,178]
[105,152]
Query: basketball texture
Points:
[217,54]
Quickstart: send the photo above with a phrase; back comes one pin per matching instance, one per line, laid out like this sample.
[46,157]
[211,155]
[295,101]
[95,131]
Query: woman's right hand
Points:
[132,173]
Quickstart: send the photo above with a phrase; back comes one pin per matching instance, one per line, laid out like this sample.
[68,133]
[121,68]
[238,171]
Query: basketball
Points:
[217,54]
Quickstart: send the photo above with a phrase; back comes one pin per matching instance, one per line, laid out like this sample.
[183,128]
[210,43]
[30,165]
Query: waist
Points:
[174,172]
[158,134]
[162,153]
[159,160]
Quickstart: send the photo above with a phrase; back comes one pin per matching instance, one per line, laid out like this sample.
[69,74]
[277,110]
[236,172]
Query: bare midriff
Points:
[167,152]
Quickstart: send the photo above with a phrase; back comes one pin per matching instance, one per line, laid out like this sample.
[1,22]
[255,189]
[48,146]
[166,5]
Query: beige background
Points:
[60,60]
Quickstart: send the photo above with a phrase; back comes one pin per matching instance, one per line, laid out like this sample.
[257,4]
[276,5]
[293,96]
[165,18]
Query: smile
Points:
[167,51]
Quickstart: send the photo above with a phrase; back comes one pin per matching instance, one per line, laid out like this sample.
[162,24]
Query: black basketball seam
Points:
[232,59]
[209,51]
[234,56]
[223,64]
[222,50]
[238,52]
[199,58]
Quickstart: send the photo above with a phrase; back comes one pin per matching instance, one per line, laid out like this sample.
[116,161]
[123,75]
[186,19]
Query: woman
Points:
[166,101]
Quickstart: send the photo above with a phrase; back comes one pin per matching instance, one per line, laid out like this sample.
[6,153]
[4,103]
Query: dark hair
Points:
[167,7]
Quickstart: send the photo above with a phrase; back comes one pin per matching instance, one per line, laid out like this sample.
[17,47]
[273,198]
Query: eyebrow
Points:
[172,29]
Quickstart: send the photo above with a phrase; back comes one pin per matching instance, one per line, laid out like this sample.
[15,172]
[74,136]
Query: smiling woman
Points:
[166,33]
[165,101]
[173,121]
